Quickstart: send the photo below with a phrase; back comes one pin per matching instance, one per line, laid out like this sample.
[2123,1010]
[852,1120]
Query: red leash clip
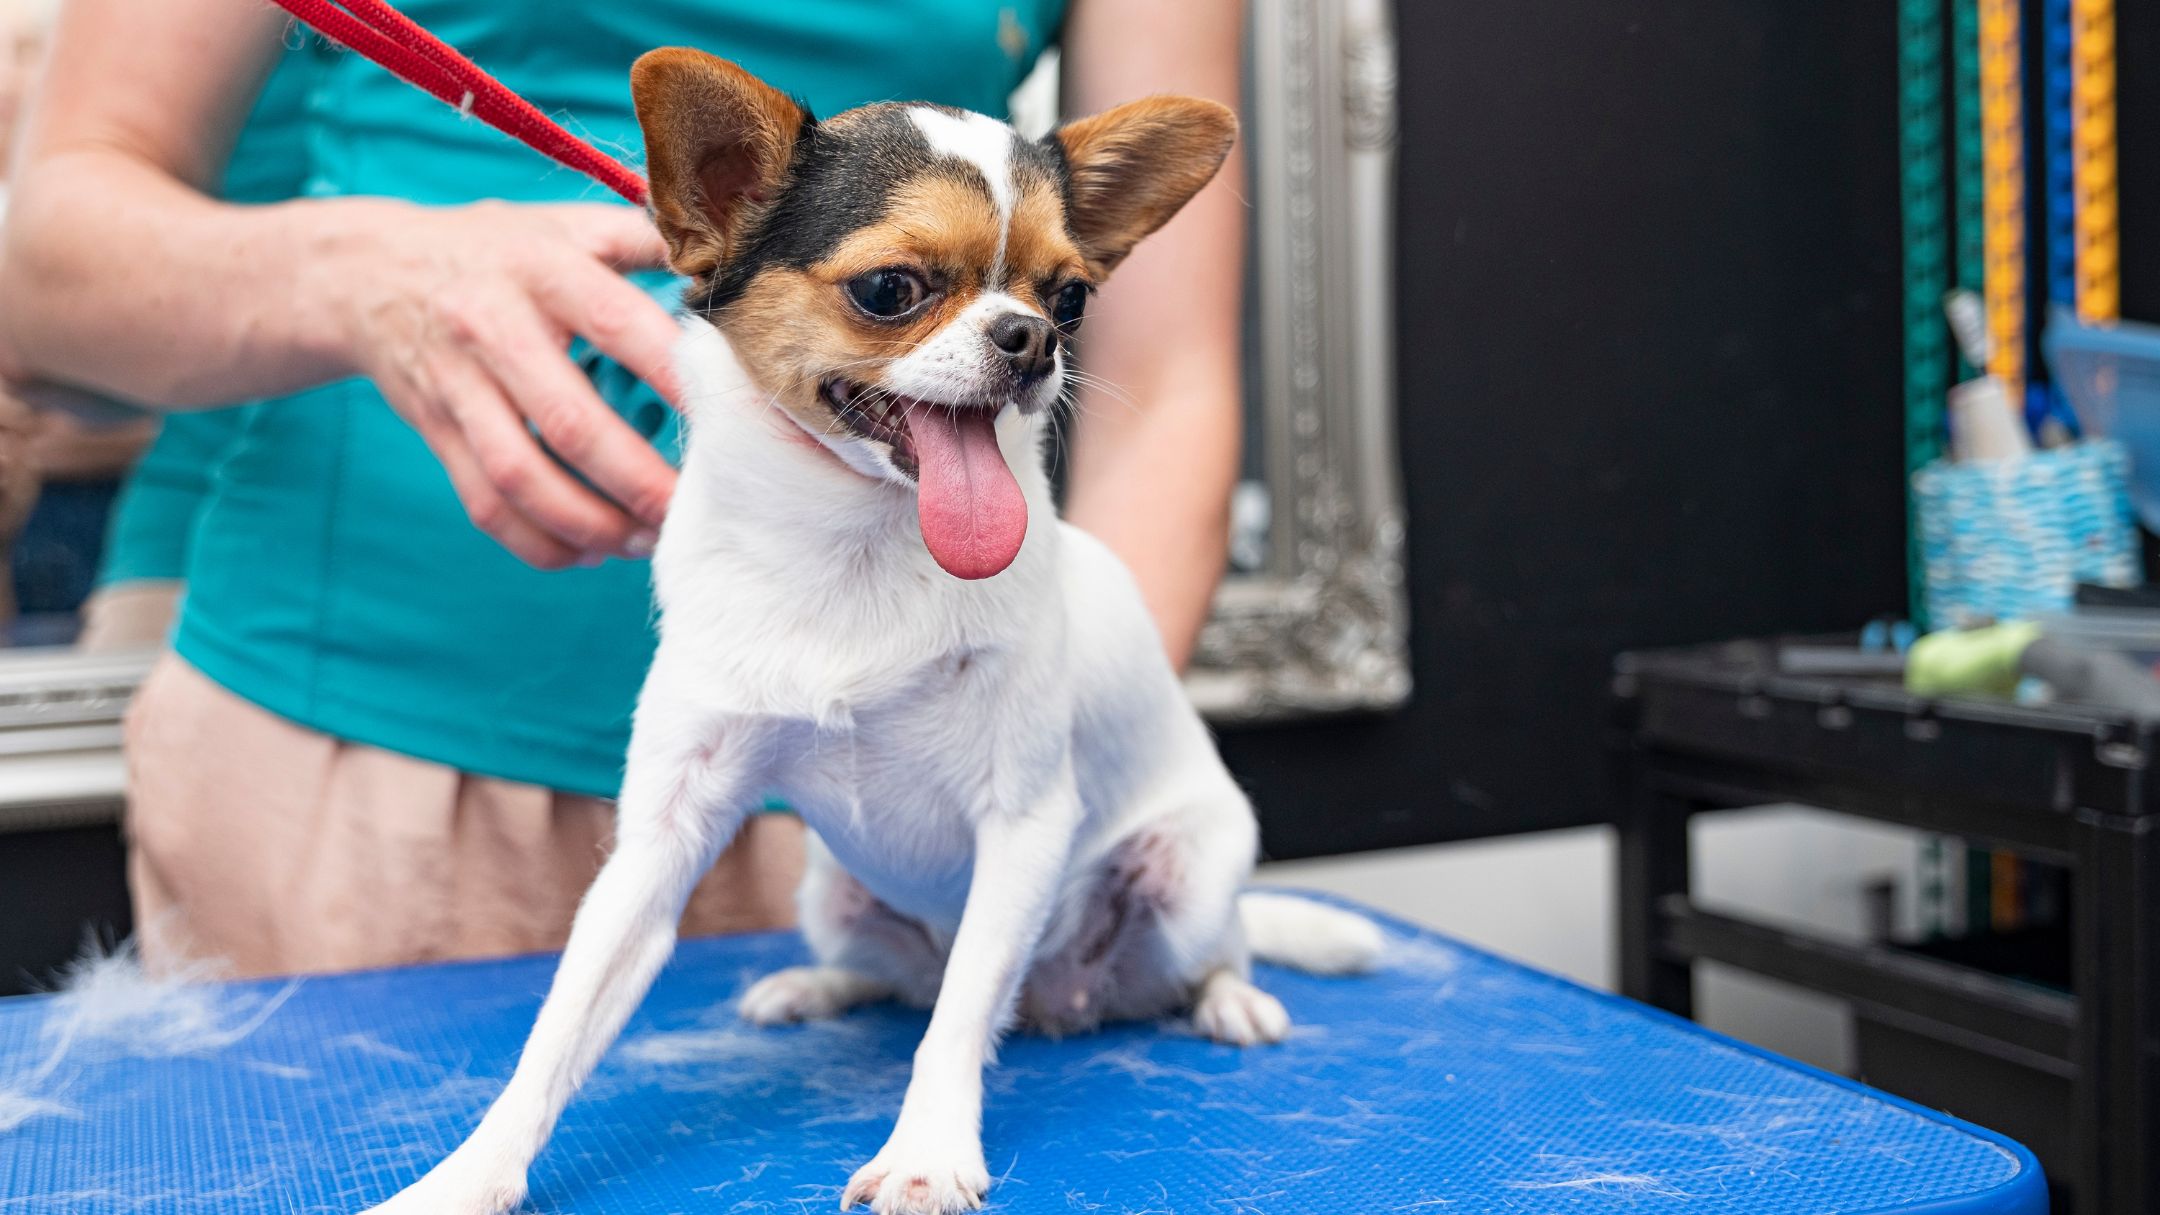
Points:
[419,58]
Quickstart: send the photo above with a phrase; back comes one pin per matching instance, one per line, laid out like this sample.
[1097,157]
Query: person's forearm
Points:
[1155,449]
[1159,496]
[116,277]
[120,276]
[118,273]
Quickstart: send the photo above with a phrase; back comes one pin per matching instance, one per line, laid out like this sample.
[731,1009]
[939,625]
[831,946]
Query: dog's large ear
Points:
[1132,167]
[717,145]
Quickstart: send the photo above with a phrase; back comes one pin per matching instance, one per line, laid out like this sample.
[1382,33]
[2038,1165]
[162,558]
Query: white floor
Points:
[1547,900]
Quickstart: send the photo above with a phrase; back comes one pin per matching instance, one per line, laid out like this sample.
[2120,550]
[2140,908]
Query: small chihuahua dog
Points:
[869,608]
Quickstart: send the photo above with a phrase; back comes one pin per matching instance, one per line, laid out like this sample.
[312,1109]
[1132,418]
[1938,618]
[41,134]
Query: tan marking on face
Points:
[938,224]
[792,330]
[1040,255]
[795,329]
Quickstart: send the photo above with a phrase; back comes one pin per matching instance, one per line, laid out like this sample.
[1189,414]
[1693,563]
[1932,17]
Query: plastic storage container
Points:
[2112,376]
[2011,539]
[2131,632]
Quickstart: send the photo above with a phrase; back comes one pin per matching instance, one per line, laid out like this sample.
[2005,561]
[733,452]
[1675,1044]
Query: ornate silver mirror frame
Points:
[1322,627]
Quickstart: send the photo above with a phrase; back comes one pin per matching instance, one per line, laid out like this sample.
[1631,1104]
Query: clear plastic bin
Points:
[2132,632]
[2111,374]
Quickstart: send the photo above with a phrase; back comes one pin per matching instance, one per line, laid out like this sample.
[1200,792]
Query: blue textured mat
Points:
[1451,1082]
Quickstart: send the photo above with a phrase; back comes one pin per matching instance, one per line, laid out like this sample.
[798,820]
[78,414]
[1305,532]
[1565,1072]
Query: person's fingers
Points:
[615,316]
[506,341]
[545,386]
[512,461]
[493,514]
[622,237]
[489,510]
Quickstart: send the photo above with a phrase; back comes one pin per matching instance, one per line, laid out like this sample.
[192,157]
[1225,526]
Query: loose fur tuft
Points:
[107,1008]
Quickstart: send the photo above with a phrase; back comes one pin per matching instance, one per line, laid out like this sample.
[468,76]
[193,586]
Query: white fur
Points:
[989,760]
[956,363]
[959,362]
[985,143]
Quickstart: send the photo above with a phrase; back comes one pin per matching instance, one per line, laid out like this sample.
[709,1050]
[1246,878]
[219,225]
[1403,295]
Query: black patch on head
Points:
[1046,157]
[838,182]
[841,181]
[1052,152]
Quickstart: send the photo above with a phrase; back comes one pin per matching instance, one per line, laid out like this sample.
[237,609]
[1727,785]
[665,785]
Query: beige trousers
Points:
[129,615]
[271,849]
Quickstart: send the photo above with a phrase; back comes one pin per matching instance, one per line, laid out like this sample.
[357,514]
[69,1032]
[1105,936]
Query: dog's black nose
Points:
[1028,342]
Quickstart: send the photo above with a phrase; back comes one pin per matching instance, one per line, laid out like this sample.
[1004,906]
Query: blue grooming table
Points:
[1450,1082]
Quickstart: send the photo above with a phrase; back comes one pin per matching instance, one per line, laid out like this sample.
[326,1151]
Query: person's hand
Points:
[462,316]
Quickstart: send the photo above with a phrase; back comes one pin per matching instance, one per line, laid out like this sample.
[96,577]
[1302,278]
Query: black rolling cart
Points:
[2073,1071]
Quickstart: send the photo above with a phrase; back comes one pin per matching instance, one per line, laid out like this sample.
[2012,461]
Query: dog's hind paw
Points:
[1233,1011]
[900,1181]
[806,993]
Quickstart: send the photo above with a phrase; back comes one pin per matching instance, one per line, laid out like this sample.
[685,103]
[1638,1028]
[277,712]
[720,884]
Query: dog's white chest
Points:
[898,792]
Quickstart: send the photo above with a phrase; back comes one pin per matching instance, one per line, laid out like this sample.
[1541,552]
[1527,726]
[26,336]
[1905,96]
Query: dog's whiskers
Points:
[1077,379]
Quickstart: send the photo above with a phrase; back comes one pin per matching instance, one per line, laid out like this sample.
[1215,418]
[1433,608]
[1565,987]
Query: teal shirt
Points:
[153,520]
[334,579]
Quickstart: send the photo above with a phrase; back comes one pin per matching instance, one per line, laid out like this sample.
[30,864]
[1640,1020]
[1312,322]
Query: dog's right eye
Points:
[887,293]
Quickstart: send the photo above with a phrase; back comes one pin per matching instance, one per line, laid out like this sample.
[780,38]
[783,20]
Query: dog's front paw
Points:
[450,1192]
[938,1179]
[1233,1011]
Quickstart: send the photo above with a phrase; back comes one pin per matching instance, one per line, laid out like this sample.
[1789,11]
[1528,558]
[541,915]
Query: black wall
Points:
[2137,43]
[58,889]
[1650,385]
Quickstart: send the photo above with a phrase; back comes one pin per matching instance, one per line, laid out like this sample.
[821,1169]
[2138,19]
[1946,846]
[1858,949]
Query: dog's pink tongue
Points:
[973,516]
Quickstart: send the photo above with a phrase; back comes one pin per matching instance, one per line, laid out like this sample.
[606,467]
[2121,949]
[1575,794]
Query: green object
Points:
[334,578]
[1927,257]
[1981,661]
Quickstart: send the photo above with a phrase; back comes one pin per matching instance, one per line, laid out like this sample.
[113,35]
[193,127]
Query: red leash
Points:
[419,58]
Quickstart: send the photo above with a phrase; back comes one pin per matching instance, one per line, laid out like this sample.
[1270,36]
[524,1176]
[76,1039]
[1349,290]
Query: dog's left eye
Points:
[1068,305]
[887,293]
